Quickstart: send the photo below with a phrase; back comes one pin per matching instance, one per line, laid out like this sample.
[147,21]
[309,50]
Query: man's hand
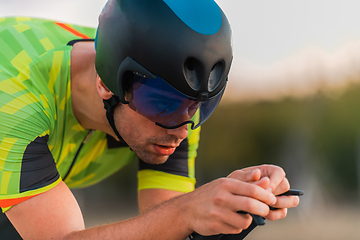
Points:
[212,208]
[272,178]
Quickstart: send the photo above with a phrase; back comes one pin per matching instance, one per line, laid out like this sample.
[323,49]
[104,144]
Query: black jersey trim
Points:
[177,163]
[38,168]
[72,42]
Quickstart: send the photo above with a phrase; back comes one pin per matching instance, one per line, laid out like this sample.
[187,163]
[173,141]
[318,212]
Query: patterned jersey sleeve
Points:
[26,164]
[177,173]
[27,167]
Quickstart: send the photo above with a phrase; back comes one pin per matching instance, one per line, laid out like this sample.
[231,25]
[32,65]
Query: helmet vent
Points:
[192,68]
[215,76]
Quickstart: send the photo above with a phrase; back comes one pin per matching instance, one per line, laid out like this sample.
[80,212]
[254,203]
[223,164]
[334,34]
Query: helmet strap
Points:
[109,106]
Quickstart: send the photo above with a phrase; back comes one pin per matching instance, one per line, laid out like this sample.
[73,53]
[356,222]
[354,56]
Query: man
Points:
[159,68]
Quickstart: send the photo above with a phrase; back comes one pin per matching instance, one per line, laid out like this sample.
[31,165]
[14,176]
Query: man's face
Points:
[151,143]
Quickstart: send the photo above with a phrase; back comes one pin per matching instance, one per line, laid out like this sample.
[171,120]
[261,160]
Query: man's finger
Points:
[246,175]
[286,202]
[275,173]
[278,214]
[263,182]
[250,190]
[282,187]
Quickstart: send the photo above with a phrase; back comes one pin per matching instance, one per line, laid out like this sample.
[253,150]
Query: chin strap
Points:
[109,106]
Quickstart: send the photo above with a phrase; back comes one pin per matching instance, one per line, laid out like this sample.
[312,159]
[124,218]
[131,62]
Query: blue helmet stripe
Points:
[96,38]
[203,16]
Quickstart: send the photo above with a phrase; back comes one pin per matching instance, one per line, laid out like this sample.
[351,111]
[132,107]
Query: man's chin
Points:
[152,158]
[156,160]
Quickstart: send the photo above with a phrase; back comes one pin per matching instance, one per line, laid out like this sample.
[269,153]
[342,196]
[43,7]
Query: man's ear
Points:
[103,91]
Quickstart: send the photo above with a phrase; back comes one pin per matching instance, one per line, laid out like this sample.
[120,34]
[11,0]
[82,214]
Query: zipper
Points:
[86,139]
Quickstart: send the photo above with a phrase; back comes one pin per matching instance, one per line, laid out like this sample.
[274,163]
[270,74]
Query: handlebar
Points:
[257,221]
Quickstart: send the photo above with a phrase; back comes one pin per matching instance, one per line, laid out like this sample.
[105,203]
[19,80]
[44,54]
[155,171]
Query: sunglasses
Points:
[167,107]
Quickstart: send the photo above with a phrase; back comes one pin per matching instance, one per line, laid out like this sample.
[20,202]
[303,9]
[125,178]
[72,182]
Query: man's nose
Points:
[180,132]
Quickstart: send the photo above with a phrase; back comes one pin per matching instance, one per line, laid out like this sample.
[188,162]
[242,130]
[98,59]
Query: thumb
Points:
[263,182]
[246,175]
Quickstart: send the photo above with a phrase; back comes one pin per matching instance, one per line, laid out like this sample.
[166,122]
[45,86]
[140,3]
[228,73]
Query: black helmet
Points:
[187,43]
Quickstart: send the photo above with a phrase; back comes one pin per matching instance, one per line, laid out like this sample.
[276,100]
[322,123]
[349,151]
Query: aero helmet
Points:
[183,44]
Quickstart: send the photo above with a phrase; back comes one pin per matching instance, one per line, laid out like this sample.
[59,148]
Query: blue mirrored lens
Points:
[155,98]
[158,101]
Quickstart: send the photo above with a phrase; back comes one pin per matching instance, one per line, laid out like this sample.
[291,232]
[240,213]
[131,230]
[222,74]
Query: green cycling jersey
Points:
[41,141]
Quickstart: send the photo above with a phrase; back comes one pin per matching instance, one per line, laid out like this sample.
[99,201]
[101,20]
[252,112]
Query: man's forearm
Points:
[165,221]
[149,198]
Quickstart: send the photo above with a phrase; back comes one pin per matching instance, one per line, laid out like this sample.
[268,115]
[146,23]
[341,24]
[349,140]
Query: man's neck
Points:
[87,104]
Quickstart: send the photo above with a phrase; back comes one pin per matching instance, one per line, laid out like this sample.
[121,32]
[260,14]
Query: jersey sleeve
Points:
[27,167]
[177,173]
[35,99]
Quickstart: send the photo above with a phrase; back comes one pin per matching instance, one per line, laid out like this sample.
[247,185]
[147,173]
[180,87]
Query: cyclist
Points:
[160,69]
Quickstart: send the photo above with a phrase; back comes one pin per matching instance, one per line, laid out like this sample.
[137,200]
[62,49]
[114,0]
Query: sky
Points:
[278,45]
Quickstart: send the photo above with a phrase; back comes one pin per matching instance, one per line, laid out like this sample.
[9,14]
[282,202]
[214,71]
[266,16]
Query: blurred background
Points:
[292,100]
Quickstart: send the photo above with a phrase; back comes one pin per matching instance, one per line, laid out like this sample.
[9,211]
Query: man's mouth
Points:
[164,150]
